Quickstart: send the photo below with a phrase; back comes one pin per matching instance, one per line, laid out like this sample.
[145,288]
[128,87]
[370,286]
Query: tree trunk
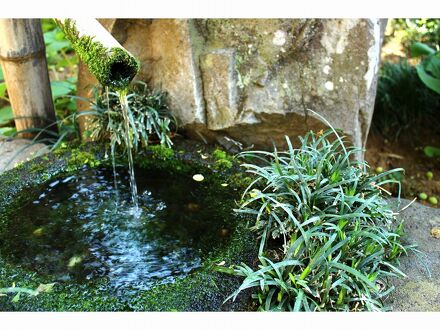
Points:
[23,60]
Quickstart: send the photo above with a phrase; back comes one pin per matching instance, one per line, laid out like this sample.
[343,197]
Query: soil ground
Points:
[420,290]
[389,154]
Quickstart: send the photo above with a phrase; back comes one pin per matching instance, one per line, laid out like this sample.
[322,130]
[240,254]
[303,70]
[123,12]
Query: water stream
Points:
[125,110]
[112,143]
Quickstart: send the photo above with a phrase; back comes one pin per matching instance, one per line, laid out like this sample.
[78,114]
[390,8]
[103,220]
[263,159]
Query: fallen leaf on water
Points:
[38,232]
[74,261]
[16,298]
[45,287]
[198,177]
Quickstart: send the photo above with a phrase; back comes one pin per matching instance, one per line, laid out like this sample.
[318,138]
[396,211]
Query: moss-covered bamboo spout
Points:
[106,59]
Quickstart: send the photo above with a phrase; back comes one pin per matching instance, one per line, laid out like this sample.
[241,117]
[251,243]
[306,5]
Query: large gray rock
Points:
[252,80]
[420,290]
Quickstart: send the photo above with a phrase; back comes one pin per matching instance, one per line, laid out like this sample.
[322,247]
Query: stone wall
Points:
[252,80]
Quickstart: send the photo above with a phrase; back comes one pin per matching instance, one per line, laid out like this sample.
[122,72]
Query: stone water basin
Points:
[63,221]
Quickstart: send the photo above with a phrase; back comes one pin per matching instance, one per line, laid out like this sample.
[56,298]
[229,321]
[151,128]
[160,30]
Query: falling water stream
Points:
[125,110]
[112,144]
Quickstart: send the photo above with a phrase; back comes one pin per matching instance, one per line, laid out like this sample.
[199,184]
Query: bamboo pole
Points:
[106,59]
[23,60]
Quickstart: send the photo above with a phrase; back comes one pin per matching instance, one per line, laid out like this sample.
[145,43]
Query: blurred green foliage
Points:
[410,30]
[403,103]
[62,65]
[407,104]
[429,68]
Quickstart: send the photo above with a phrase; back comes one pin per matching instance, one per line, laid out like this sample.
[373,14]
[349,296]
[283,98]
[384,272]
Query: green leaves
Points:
[326,216]
[60,61]
[149,117]
[2,87]
[428,69]
[6,115]
[8,131]
[420,49]
[55,41]
[429,73]
[3,91]
[59,51]
[62,88]
[6,118]
[431,151]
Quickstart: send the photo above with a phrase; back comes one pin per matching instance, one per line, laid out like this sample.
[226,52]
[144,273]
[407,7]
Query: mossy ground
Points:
[205,289]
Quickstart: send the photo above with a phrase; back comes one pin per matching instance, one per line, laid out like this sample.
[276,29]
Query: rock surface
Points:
[14,151]
[420,291]
[252,80]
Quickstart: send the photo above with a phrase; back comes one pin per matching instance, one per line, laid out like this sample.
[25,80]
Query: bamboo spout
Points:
[106,59]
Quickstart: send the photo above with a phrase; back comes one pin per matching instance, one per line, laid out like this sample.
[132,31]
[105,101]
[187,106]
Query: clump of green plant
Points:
[428,69]
[329,239]
[403,103]
[149,118]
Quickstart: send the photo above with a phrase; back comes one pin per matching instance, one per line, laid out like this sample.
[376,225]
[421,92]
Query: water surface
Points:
[78,228]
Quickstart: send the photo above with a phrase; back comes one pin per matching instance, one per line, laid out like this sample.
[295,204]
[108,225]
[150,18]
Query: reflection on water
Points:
[79,228]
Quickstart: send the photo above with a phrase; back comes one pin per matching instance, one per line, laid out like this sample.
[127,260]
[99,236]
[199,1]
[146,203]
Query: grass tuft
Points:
[328,238]
[150,120]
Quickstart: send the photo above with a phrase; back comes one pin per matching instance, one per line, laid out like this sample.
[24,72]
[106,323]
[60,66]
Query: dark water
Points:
[78,228]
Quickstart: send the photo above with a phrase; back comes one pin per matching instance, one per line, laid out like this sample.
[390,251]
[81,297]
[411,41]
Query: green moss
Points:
[113,67]
[223,161]
[219,154]
[161,152]
[240,180]
[223,164]
[37,167]
[80,158]
[161,157]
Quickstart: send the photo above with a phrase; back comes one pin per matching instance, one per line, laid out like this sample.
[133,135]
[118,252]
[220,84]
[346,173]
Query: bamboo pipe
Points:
[23,60]
[107,60]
